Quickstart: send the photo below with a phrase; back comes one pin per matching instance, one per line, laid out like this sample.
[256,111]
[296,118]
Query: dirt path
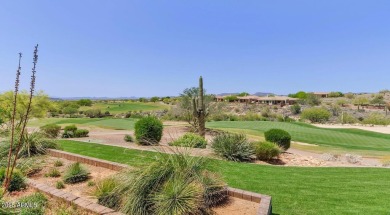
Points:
[380,129]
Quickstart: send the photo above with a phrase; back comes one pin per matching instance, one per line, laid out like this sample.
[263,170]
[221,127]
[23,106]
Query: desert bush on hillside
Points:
[69,110]
[75,173]
[278,136]
[335,109]
[172,184]
[295,109]
[335,94]
[266,150]
[376,119]
[51,130]
[347,118]
[312,100]
[234,147]
[316,115]
[84,102]
[190,140]
[148,130]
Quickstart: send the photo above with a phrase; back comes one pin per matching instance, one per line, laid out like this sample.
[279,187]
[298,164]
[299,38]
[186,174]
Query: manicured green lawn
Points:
[295,190]
[119,124]
[354,139]
[115,108]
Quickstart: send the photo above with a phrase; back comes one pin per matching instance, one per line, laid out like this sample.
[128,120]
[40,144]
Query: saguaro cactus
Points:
[199,109]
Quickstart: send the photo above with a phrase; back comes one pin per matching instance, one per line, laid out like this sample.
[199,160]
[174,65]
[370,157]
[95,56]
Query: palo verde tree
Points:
[17,134]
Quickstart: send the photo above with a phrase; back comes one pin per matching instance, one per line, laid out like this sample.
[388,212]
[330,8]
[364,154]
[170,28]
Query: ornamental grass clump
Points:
[190,140]
[104,191]
[75,173]
[17,182]
[172,184]
[234,147]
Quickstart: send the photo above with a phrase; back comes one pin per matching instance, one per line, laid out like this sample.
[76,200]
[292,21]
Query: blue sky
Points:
[147,48]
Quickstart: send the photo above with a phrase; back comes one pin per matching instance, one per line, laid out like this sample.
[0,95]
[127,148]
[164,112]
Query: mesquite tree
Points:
[18,132]
[200,111]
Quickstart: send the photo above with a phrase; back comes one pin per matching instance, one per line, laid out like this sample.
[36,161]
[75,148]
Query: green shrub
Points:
[51,130]
[104,192]
[233,147]
[316,115]
[347,118]
[190,140]
[266,150]
[128,138]
[75,173]
[53,173]
[278,136]
[58,163]
[60,185]
[376,119]
[17,182]
[295,109]
[37,201]
[148,130]
[69,131]
[171,184]
[93,113]
[81,133]
[91,183]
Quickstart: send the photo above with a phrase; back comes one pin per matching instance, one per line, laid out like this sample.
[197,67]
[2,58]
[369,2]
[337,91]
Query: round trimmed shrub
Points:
[148,130]
[17,182]
[51,130]
[278,136]
[266,150]
[190,140]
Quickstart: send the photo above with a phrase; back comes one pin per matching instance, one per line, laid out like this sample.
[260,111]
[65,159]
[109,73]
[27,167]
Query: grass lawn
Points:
[118,124]
[351,139]
[295,190]
[115,108]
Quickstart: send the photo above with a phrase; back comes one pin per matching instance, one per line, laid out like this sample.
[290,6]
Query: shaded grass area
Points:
[115,108]
[295,190]
[354,139]
[118,124]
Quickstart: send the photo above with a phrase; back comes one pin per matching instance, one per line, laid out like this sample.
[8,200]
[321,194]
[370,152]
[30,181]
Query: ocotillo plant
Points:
[199,109]
[23,121]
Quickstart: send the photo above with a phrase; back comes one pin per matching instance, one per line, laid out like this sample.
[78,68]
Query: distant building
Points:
[322,94]
[270,100]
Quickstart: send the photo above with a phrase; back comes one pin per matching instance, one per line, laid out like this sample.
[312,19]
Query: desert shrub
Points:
[51,130]
[128,138]
[93,113]
[69,110]
[90,184]
[266,150]
[315,114]
[104,192]
[53,173]
[233,147]
[60,185]
[58,163]
[17,182]
[376,119]
[38,202]
[81,133]
[148,130]
[295,109]
[69,131]
[171,184]
[312,100]
[335,94]
[84,102]
[190,140]
[278,136]
[347,118]
[75,173]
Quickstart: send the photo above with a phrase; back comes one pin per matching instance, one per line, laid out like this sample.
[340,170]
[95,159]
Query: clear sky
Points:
[147,48]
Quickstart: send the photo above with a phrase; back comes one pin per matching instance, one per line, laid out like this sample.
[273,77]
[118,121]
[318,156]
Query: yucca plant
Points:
[75,173]
[173,184]
[234,147]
